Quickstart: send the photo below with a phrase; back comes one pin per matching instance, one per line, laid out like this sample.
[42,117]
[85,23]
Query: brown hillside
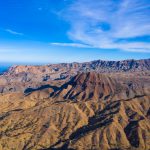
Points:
[91,111]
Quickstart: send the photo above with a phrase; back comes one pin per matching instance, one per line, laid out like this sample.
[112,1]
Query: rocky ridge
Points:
[35,76]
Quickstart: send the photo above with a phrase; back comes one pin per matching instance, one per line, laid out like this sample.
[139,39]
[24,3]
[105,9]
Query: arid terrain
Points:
[98,105]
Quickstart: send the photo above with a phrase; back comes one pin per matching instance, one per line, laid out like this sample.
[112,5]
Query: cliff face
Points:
[104,108]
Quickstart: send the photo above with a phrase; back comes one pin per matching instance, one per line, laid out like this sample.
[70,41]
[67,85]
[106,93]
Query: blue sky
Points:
[52,31]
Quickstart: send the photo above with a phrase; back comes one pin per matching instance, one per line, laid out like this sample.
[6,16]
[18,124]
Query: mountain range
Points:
[93,105]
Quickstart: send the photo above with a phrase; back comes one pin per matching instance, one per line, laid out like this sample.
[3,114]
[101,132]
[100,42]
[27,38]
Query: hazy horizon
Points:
[5,64]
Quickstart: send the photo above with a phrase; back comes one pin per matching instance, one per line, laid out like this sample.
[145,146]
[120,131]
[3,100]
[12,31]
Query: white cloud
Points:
[13,32]
[102,23]
[71,45]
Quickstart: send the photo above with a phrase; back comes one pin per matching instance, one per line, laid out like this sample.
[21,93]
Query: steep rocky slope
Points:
[94,85]
[91,111]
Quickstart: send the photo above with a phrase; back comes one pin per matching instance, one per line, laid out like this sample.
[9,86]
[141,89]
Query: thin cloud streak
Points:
[13,32]
[102,23]
[78,45]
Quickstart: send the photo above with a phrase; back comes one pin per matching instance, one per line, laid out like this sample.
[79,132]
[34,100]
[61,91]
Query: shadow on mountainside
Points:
[30,90]
[99,120]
